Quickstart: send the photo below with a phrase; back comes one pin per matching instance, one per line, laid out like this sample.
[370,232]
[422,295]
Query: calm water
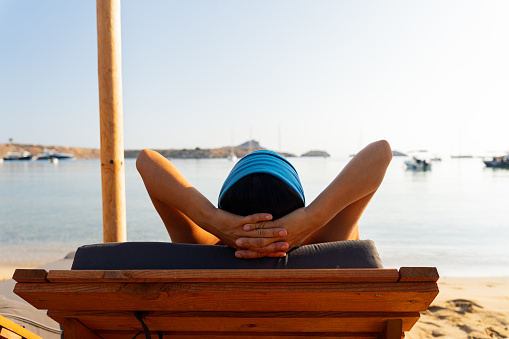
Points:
[453,217]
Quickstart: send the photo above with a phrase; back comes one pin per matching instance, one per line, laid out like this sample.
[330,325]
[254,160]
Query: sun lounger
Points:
[282,302]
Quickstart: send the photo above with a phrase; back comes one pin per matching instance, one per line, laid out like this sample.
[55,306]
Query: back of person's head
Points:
[262,182]
[261,193]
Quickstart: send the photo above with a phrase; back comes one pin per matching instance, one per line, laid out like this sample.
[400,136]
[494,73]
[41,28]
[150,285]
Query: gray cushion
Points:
[32,319]
[22,313]
[160,255]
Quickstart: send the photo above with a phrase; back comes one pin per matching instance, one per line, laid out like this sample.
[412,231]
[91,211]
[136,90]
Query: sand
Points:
[470,308]
[466,308]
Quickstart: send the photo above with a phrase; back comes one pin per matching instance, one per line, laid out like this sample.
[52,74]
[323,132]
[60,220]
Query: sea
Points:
[453,217]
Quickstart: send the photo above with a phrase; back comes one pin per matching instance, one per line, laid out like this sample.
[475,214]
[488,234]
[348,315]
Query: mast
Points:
[111,120]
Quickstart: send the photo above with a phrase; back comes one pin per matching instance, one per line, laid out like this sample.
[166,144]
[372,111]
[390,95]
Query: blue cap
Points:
[264,161]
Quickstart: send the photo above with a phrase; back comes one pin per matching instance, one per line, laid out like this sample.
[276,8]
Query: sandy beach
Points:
[470,308]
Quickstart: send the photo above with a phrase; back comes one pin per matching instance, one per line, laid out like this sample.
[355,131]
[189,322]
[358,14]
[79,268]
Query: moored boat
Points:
[50,154]
[419,161]
[418,164]
[23,155]
[497,162]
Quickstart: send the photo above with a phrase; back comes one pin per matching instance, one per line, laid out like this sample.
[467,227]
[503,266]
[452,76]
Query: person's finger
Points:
[258,217]
[262,225]
[254,243]
[262,245]
[248,254]
[264,233]
[276,255]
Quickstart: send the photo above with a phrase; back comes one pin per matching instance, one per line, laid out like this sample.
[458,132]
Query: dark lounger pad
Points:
[160,255]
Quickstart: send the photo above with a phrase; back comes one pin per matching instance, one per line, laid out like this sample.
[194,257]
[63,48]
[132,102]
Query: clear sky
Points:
[294,75]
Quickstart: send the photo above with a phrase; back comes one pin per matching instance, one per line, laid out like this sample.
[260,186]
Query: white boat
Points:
[51,154]
[417,164]
[232,156]
[23,155]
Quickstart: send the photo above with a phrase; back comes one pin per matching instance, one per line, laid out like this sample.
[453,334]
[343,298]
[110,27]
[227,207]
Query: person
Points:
[261,210]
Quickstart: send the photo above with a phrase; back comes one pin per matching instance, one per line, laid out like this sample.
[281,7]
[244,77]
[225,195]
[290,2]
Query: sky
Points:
[293,75]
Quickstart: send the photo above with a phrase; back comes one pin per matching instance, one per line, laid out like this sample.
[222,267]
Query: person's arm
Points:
[360,177]
[165,183]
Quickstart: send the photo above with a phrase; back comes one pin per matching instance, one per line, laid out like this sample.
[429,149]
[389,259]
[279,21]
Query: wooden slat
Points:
[30,275]
[266,275]
[418,274]
[264,335]
[17,329]
[241,321]
[392,329]
[74,329]
[262,297]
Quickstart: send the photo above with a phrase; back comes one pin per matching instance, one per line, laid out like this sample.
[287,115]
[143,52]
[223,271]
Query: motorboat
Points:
[23,155]
[50,154]
[417,164]
[497,162]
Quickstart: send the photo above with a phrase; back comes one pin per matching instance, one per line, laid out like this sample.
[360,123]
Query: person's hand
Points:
[298,224]
[266,241]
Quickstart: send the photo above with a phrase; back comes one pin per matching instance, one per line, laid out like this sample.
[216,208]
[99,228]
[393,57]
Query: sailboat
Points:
[232,156]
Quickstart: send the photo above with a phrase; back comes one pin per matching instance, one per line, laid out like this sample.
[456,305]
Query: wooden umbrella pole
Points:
[111,121]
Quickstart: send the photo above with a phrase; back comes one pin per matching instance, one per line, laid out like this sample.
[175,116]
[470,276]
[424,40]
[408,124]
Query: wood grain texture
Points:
[418,274]
[30,275]
[241,321]
[267,275]
[392,329]
[109,51]
[73,329]
[262,297]
[257,335]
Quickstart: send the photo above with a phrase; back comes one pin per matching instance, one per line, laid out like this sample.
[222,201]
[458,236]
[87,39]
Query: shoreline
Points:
[467,307]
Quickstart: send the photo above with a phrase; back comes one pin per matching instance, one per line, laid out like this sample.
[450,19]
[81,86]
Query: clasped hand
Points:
[267,238]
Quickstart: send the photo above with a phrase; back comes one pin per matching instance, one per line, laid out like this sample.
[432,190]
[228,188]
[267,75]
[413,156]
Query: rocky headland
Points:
[315,153]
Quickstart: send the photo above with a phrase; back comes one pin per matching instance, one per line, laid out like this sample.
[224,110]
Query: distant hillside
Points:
[91,153]
[201,153]
[316,154]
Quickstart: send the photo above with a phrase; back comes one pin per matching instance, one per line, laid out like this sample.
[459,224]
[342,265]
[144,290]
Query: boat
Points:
[232,156]
[417,164]
[23,155]
[498,162]
[51,154]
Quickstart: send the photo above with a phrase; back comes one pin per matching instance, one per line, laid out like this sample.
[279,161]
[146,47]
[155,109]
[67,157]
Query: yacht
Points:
[50,154]
[23,155]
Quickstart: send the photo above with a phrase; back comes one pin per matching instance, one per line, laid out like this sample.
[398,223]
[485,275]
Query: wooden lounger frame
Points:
[325,303]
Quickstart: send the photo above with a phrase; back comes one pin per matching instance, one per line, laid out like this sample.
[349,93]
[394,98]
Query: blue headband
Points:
[264,161]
